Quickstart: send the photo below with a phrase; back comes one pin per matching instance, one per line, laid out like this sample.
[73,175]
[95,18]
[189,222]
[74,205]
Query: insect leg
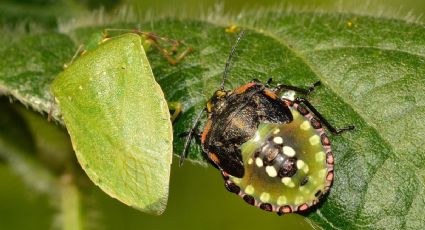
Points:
[153,39]
[332,129]
[189,137]
[168,54]
[198,136]
[281,87]
[196,133]
[176,107]
[50,113]
[79,51]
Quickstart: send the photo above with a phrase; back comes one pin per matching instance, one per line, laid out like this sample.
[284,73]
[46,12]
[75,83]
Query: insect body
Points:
[233,118]
[272,151]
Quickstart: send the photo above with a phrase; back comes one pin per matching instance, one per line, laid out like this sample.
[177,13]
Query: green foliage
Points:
[43,12]
[30,63]
[371,70]
[17,147]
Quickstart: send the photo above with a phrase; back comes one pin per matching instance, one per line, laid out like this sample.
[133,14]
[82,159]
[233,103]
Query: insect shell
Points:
[272,151]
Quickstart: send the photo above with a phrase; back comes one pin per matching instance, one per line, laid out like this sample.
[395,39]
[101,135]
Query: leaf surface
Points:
[372,74]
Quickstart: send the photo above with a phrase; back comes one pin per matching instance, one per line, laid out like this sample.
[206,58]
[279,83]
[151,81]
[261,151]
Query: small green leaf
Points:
[119,122]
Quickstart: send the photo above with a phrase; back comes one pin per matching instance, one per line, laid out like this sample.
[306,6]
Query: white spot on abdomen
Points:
[259,162]
[271,171]
[306,168]
[300,164]
[320,156]
[282,200]
[249,190]
[265,197]
[278,140]
[288,151]
[288,182]
[314,140]
[305,125]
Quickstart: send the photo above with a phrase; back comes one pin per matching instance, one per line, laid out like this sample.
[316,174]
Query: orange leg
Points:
[170,54]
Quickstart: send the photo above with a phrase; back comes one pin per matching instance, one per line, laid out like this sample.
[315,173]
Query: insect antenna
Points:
[229,59]
[189,137]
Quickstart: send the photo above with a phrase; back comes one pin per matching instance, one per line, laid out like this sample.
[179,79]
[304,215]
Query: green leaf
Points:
[29,64]
[371,70]
[373,82]
[119,122]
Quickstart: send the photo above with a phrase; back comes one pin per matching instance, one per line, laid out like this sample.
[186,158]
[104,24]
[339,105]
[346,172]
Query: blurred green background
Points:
[47,11]
[198,199]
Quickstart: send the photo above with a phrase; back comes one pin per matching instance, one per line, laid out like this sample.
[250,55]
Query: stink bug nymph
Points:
[271,149]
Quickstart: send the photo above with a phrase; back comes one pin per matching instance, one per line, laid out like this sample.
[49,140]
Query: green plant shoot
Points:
[119,122]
